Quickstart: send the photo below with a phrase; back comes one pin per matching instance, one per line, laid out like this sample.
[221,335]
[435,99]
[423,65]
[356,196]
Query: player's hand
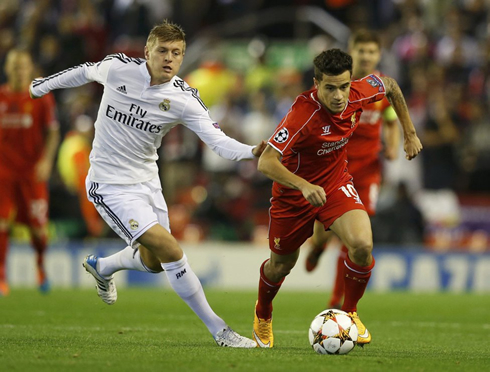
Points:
[314,194]
[412,146]
[43,170]
[259,149]
[30,89]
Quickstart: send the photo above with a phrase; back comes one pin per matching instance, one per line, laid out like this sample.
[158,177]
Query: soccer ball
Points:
[333,332]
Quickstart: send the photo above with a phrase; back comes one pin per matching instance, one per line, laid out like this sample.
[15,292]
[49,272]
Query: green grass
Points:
[153,330]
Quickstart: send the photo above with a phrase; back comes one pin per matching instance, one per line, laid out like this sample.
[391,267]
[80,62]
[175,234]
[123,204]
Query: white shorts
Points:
[130,210]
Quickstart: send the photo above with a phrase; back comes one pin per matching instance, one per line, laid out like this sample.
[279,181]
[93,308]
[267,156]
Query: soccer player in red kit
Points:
[307,160]
[363,153]
[29,138]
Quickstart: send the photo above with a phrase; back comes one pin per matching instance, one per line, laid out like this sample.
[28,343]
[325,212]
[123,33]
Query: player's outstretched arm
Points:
[394,95]
[271,166]
[391,136]
[72,77]
[30,89]
[259,149]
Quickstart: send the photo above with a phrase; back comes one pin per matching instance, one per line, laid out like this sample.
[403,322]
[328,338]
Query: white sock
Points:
[189,288]
[127,259]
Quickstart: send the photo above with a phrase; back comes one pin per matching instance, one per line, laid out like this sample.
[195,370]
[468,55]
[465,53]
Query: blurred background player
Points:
[73,164]
[29,138]
[307,160]
[364,152]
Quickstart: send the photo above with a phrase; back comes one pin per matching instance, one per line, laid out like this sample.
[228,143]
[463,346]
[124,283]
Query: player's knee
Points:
[361,251]
[150,260]
[168,251]
[162,245]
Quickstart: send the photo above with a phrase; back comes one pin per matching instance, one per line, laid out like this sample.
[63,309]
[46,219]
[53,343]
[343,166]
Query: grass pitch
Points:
[153,330]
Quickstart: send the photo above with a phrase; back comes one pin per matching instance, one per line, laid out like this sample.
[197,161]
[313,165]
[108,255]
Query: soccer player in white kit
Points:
[142,100]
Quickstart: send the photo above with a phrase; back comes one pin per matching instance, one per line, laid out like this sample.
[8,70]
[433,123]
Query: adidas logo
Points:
[122,89]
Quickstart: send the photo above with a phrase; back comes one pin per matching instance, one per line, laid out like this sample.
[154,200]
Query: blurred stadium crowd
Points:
[438,50]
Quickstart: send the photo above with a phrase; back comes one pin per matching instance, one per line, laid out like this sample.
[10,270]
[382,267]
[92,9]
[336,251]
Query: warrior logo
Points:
[133,224]
[326,130]
[164,105]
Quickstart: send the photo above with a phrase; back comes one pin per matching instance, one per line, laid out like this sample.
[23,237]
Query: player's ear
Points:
[315,83]
[147,54]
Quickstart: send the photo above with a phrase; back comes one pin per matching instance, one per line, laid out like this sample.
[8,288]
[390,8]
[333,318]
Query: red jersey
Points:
[23,128]
[366,141]
[313,141]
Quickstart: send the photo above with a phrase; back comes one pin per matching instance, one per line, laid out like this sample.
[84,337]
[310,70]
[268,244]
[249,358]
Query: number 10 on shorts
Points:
[350,191]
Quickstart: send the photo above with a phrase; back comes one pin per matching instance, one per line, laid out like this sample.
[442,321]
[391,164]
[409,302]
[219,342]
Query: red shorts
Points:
[27,197]
[367,178]
[291,221]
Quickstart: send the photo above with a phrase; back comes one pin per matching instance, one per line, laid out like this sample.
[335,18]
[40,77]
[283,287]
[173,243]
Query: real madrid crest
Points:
[133,224]
[164,105]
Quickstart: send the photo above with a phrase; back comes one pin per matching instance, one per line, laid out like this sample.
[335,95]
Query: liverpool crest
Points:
[277,244]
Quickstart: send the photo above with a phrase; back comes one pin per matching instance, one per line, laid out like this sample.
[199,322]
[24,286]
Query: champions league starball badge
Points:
[281,136]
[164,105]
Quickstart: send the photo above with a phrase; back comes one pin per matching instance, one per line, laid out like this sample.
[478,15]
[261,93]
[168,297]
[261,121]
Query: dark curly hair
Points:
[332,62]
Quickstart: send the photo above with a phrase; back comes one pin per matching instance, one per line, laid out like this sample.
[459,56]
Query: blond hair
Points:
[14,52]
[165,31]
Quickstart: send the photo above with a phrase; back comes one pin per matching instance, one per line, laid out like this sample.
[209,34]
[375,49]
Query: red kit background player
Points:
[307,160]
[364,152]
[29,138]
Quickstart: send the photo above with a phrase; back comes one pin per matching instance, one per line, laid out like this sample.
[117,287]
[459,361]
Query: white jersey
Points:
[133,117]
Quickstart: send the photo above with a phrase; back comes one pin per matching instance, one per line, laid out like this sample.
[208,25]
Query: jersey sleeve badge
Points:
[281,136]
[374,81]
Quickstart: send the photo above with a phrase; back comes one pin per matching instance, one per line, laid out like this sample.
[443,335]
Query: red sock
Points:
[355,282]
[338,288]
[4,236]
[40,245]
[267,292]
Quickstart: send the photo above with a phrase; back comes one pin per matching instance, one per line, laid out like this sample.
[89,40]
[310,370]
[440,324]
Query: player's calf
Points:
[313,257]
